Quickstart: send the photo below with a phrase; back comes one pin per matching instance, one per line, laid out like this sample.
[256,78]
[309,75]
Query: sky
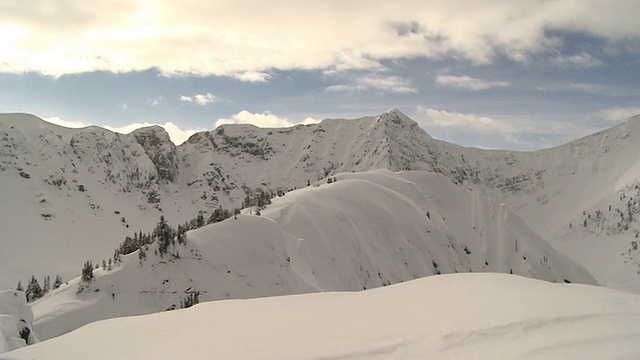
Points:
[520,75]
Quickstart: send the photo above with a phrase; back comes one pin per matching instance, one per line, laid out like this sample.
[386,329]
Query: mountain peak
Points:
[397,117]
[152,128]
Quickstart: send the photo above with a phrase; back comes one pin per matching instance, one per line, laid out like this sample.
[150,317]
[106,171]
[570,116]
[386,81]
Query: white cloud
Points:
[587,88]
[252,76]
[201,99]
[66,123]
[430,117]
[155,101]
[266,120]
[512,132]
[376,83]
[177,135]
[618,114]
[583,60]
[247,39]
[469,83]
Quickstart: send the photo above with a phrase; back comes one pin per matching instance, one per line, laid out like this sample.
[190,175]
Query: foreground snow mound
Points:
[363,231]
[13,309]
[458,316]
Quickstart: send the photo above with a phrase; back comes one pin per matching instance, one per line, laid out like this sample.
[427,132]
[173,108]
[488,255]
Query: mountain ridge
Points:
[122,180]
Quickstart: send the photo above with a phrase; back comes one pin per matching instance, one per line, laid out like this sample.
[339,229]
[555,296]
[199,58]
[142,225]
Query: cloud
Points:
[66,123]
[372,82]
[201,99]
[618,114]
[251,76]
[582,60]
[156,101]
[266,120]
[430,117]
[177,135]
[468,83]
[247,40]
[503,131]
[588,88]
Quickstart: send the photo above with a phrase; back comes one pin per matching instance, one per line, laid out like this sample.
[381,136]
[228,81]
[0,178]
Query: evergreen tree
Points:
[164,235]
[182,234]
[200,221]
[87,272]
[218,215]
[142,253]
[19,286]
[47,284]
[57,282]
[34,291]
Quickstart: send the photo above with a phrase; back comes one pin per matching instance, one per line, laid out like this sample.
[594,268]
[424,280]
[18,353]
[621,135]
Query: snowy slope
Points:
[583,198]
[461,316]
[73,192]
[363,231]
[13,309]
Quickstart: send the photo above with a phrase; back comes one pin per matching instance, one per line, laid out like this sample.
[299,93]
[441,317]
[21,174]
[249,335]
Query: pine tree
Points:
[199,221]
[164,235]
[57,282]
[47,284]
[87,272]
[19,286]
[182,234]
[34,291]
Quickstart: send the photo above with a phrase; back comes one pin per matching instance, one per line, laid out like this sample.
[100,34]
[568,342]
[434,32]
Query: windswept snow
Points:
[75,193]
[404,206]
[364,230]
[460,316]
[13,310]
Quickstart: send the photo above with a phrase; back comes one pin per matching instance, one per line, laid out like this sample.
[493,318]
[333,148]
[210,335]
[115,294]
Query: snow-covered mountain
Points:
[460,316]
[73,194]
[376,202]
[364,230]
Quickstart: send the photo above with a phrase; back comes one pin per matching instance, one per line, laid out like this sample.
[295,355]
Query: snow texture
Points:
[459,316]
[364,230]
[74,194]
[13,308]
[404,206]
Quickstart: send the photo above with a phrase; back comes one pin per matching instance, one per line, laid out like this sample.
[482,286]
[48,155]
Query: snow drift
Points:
[460,316]
[13,311]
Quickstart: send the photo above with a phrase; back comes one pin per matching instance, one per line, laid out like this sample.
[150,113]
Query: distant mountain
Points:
[74,194]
